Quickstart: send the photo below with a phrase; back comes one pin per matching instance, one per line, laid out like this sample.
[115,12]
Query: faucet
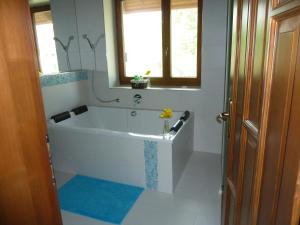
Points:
[137,99]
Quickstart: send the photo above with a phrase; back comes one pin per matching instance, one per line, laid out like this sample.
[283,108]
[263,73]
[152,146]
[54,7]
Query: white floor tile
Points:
[160,215]
[196,200]
[75,219]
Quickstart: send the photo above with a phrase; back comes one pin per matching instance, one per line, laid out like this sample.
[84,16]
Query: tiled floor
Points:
[196,200]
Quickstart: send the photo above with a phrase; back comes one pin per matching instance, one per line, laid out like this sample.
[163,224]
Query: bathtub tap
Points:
[137,99]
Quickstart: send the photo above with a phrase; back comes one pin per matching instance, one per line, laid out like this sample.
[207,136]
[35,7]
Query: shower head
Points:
[65,47]
[99,38]
[85,36]
[71,38]
[60,42]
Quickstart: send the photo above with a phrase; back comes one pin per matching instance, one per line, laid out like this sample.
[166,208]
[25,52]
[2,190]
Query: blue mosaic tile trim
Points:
[63,78]
[151,173]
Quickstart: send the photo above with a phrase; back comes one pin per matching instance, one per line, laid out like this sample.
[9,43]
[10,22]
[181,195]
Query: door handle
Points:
[223,117]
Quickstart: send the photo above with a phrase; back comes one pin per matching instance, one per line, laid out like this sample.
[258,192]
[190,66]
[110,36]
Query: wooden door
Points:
[243,135]
[263,152]
[282,143]
[27,191]
[236,94]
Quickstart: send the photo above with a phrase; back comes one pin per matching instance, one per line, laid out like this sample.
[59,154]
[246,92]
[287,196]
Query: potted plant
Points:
[140,82]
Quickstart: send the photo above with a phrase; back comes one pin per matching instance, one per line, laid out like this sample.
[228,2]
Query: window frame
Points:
[167,79]
[33,10]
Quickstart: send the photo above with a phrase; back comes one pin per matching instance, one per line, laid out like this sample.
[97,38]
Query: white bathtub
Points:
[113,144]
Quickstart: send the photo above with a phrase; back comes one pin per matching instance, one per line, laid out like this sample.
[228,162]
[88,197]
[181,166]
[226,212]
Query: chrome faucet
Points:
[137,99]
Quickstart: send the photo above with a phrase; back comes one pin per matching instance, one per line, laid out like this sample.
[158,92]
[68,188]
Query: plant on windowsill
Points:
[140,82]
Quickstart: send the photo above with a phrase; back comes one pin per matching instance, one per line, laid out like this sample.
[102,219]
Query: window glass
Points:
[161,36]
[142,34]
[184,36]
[45,42]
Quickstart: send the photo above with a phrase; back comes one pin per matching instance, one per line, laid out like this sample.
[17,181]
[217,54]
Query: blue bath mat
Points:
[98,199]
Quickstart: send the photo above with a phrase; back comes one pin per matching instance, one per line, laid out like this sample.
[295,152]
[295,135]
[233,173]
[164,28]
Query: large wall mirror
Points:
[56,35]
[70,34]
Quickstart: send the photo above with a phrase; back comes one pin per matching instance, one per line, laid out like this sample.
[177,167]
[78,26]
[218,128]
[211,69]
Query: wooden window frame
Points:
[167,79]
[33,10]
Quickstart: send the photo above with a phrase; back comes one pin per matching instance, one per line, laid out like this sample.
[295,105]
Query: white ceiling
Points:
[38,2]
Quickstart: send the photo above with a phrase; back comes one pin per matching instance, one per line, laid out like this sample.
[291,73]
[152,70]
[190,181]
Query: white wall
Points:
[64,97]
[207,102]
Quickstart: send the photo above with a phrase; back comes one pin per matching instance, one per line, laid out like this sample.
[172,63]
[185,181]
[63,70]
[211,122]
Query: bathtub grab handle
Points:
[133,113]
[61,116]
[176,126]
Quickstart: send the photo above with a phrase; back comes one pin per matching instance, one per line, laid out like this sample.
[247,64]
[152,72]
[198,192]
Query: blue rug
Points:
[98,199]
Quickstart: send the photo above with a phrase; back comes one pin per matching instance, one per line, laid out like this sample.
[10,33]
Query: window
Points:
[44,38]
[163,36]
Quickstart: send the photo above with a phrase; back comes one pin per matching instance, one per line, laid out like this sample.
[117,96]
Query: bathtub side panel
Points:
[182,149]
[102,156]
[165,173]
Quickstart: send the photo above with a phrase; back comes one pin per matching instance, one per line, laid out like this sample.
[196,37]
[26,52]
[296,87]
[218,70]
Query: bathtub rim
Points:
[159,138]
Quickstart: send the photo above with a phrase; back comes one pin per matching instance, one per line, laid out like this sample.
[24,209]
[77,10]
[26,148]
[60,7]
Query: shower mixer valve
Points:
[137,99]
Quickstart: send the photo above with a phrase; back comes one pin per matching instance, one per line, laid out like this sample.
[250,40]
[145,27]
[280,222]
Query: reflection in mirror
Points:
[44,38]
[66,48]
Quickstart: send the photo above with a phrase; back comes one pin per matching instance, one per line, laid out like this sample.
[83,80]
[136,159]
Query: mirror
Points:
[79,35]
[66,34]
[56,35]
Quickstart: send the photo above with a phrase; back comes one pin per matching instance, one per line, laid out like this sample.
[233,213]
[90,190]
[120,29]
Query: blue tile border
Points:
[63,78]
[151,172]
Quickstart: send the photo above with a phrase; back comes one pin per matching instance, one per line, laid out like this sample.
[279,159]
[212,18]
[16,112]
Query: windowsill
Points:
[157,87]
[61,72]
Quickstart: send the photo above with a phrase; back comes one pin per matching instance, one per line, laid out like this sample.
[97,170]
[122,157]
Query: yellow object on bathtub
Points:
[167,113]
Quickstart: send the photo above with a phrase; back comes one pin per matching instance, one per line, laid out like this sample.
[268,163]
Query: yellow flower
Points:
[148,72]
[167,113]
